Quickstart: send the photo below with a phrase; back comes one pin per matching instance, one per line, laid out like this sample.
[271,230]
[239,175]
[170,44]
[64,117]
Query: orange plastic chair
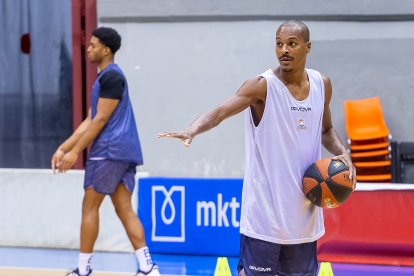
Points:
[364,119]
[362,154]
[373,168]
[369,146]
[374,178]
[373,164]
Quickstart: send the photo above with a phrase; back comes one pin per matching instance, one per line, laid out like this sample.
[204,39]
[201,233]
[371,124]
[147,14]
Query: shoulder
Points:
[112,85]
[257,82]
[255,87]
[327,87]
[326,79]
[111,75]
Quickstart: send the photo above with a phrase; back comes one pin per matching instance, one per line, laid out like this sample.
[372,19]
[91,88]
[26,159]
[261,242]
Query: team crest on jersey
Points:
[301,124]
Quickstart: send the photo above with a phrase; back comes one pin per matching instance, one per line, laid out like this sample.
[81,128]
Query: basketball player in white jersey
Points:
[287,120]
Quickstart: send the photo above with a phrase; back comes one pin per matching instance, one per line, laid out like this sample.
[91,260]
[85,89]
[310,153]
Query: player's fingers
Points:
[187,142]
[166,134]
[351,169]
[344,159]
[63,169]
[340,158]
[52,163]
[353,174]
[63,166]
[60,167]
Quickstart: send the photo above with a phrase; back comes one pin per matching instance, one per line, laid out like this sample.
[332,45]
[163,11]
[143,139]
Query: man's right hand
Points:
[56,159]
[184,136]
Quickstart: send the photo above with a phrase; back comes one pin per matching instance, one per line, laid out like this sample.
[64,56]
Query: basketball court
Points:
[55,262]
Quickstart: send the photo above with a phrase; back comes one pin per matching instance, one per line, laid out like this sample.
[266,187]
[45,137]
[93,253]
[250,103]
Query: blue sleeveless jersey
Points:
[119,139]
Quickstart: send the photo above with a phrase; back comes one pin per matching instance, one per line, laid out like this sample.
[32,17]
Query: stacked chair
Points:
[369,140]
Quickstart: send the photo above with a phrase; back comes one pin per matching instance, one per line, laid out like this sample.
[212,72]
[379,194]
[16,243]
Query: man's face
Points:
[291,48]
[96,50]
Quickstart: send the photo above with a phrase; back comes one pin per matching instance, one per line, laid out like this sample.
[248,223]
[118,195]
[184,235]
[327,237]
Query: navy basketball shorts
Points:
[259,257]
[104,176]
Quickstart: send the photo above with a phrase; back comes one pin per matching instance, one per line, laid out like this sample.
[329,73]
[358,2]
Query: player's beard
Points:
[286,70]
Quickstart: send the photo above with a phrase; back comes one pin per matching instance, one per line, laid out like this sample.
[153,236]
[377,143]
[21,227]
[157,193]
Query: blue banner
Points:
[191,216]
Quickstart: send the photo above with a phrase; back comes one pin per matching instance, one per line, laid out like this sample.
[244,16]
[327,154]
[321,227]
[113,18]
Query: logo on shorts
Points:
[261,269]
[168,214]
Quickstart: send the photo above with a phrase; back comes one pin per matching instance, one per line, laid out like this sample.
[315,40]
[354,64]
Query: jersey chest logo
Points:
[300,125]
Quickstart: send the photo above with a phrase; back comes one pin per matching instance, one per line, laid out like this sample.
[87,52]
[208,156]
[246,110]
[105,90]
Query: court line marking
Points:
[37,269]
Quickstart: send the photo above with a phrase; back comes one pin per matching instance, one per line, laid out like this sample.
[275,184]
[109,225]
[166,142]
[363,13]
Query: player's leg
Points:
[89,231]
[298,259]
[121,200]
[257,257]
[90,220]
[99,181]
[240,267]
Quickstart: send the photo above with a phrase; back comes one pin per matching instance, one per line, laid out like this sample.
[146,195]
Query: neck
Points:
[294,76]
[104,63]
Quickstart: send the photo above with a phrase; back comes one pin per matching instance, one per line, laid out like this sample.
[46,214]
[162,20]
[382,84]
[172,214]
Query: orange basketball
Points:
[326,183]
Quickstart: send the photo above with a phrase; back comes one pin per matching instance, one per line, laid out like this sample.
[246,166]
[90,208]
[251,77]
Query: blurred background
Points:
[182,58]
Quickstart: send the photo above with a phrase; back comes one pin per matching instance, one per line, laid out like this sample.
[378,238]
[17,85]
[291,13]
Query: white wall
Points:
[171,9]
[40,209]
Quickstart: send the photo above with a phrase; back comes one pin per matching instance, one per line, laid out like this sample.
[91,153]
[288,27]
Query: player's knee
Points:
[123,210]
[90,207]
[90,210]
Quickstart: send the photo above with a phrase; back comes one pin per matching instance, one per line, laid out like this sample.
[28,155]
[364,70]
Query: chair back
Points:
[364,119]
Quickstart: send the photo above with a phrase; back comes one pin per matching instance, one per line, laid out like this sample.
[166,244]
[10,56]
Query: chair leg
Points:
[395,162]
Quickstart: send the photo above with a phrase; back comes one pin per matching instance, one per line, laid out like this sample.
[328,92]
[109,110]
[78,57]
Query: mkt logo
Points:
[219,213]
[168,213]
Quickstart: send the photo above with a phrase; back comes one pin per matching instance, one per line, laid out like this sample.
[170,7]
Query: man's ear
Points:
[309,46]
[107,51]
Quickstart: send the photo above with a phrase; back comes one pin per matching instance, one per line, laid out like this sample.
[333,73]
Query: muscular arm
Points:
[251,92]
[330,138]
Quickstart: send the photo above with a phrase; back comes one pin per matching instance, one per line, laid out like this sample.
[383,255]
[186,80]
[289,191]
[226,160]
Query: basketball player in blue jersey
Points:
[287,119]
[115,152]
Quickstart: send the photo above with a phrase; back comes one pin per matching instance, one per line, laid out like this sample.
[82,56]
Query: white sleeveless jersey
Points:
[278,152]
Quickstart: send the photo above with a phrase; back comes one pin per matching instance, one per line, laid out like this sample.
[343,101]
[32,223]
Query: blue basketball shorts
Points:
[104,176]
[259,257]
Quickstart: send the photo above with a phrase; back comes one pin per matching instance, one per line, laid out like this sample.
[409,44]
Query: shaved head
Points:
[296,24]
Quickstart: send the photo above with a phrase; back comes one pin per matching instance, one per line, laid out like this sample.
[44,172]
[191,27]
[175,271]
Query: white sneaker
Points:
[153,272]
[75,272]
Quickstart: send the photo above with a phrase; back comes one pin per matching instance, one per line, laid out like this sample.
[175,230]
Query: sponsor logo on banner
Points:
[179,213]
[215,214]
[168,214]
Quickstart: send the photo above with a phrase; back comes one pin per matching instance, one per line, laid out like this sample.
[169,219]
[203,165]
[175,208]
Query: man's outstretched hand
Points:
[183,136]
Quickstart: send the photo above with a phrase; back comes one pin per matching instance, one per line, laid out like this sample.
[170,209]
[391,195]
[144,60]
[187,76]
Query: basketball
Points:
[326,183]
